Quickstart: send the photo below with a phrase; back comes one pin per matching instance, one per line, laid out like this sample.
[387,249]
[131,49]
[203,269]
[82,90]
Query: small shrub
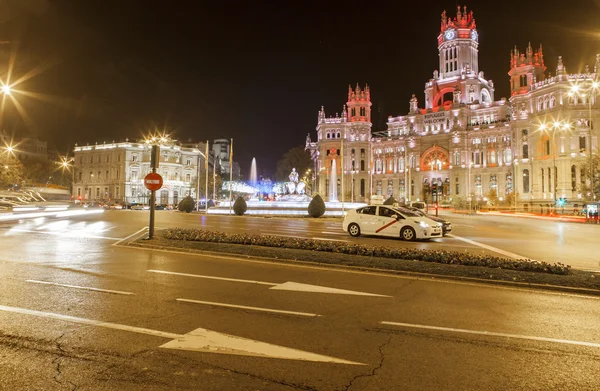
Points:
[390,201]
[239,206]
[316,208]
[186,205]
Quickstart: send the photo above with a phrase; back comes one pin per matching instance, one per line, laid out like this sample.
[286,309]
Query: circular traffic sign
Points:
[153,181]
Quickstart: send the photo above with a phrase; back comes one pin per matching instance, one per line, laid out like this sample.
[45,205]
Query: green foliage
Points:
[585,176]
[460,202]
[297,158]
[11,172]
[316,208]
[492,197]
[239,206]
[186,205]
[412,254]
[390,201]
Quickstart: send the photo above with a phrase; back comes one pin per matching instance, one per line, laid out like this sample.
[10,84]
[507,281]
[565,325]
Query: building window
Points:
[390,188]
[188,177]
[107,176]
[134,158]
[378,188]
[457,158]
[362,187]
[581,143]
[117,192]
[525,151]
[509,184]
[526,181]
[134,175]
[107,158]
[80,175]
[507,155]
[573,177]
[99,174]
[118,173]
[188,162]
[412,187]
[547,147]
[457,186]
[549,181]
[97,192]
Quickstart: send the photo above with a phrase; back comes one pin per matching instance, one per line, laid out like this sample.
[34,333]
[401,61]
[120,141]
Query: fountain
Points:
[253,179]
[333,183]
[290,197]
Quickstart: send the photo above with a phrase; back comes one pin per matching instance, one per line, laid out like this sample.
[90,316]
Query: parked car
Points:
[387,221]
[446,225]
[418,205]
[140,207]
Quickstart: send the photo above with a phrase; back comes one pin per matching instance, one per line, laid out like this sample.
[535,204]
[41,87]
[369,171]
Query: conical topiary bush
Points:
[239,206]
[316,208]
[390,201]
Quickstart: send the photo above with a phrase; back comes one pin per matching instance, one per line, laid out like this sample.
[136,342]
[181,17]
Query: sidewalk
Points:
[552,217]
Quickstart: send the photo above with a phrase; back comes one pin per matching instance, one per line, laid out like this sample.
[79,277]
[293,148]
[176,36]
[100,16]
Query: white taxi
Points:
[387,221]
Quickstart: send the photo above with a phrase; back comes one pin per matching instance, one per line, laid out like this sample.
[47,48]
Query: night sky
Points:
[254,71]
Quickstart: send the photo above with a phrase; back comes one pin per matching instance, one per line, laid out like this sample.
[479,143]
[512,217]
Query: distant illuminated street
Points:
[78,312]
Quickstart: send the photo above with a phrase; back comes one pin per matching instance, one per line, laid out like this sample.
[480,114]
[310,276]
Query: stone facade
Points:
[115,172]
[464,142]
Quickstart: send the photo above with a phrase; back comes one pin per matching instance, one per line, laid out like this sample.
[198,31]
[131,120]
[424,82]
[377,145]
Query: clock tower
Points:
[458,80]
[457,44]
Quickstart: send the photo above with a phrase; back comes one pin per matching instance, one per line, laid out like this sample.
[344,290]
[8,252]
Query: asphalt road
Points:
[78,312]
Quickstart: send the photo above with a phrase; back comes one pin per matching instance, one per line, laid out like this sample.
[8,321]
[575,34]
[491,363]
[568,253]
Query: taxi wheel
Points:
[408,233]
[354,230]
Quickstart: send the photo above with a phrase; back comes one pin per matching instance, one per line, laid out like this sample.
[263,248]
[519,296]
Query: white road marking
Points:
[286,286]
[494,334]
[331,240]
[249,308]
[213,277]
[491,248]
[200,340]
[334,233]
[296,287]
[80,287]
[130,236]
[63,234]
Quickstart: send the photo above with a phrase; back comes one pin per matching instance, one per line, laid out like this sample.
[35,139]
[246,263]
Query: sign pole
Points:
[206,184]
[154,159]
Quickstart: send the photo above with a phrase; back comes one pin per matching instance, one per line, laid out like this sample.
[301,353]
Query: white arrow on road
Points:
[286,286]
[199,340]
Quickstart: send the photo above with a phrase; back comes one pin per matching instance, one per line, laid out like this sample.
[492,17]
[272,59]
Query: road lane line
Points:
[130,236]
[491,248]
[201,340]
[64,234]
[81,287]
[249,308]
[90,322]
[332,240]
[494,334]
[213,277]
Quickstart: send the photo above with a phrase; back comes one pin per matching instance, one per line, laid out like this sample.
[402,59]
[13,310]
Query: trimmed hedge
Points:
[437,256]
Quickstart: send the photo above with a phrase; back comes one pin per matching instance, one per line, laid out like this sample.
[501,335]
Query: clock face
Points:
[474,35]
[450,34]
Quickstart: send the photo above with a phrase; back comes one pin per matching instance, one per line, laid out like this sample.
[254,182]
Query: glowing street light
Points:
[5,89]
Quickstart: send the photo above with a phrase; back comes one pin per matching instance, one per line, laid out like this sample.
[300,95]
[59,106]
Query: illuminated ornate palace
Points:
[461,141]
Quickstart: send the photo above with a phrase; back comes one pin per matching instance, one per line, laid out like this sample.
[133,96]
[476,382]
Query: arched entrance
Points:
[434,166]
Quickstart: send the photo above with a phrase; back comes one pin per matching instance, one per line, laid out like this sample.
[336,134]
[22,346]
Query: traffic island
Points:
[427,263]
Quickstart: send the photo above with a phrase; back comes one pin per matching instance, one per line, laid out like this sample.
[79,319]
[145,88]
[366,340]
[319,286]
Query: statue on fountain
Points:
[294,189]
[294,186]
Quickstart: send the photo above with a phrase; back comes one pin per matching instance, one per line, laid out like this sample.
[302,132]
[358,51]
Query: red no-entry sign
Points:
[153,181]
